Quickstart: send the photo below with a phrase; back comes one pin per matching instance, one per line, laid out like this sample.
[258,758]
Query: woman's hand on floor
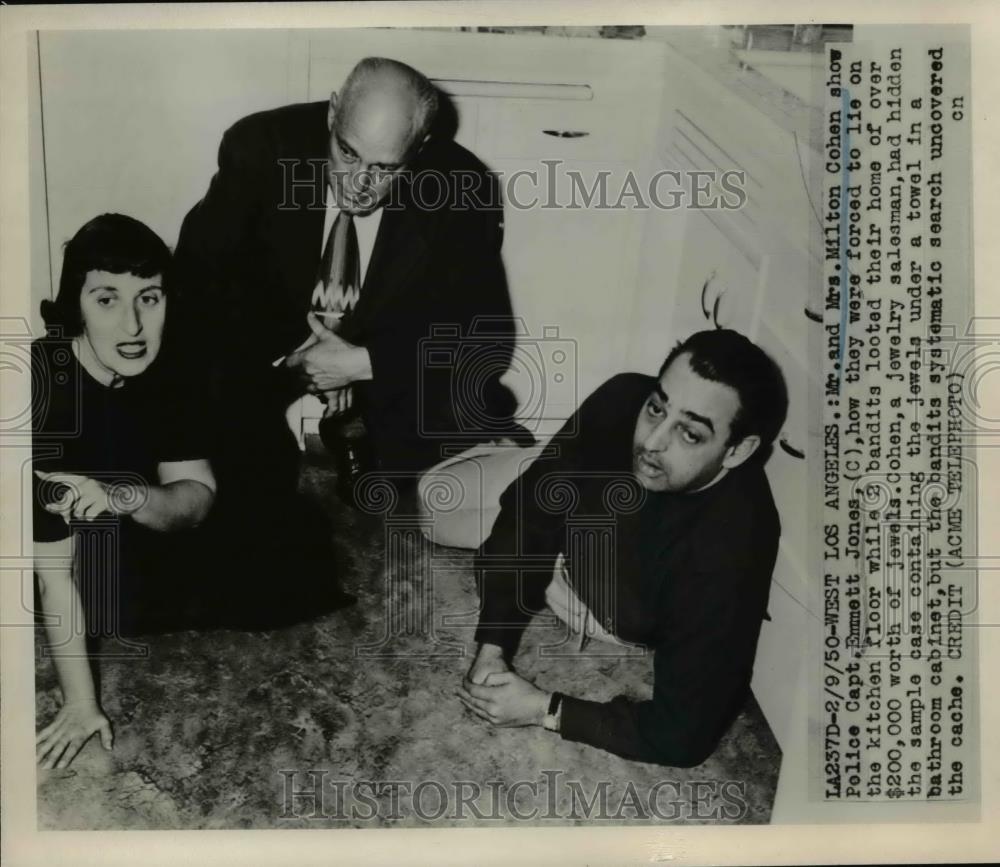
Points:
[57,744]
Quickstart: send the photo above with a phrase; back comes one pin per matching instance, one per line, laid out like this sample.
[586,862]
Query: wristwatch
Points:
[554,714]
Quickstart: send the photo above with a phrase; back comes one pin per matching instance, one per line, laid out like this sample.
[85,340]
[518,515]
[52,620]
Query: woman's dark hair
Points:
[729,358]
[110,242]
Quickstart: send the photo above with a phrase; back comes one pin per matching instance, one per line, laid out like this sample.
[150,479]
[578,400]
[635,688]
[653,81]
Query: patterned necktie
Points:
[339,282]
[338,285]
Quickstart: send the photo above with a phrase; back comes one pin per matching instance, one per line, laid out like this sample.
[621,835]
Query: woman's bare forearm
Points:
[65,628]
[174,506]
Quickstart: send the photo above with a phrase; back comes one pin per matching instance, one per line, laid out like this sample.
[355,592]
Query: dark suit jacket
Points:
[247,260]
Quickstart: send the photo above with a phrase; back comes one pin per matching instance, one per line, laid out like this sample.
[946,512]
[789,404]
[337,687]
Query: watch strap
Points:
[551,719]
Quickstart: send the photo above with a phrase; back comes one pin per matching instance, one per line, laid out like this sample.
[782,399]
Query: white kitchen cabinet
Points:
[750,269]
[570,273]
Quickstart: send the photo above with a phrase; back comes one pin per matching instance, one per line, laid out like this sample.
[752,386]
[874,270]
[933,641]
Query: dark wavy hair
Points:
[110,242]
[727,357]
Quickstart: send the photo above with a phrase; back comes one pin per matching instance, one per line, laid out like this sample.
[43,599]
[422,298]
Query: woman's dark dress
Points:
[135,580]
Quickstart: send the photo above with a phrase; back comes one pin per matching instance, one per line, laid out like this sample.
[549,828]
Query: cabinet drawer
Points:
[792,297]
[717,285]
[802,387]
[788,469]
[779,680]
[592,129]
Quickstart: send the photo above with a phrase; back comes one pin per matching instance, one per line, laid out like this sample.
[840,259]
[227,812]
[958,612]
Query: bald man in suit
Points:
[421,271]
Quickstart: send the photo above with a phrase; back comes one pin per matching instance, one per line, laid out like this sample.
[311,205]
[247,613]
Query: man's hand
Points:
[327,362]
[85,498]
[489,660]
[505,699]
[338,401]
[57,744]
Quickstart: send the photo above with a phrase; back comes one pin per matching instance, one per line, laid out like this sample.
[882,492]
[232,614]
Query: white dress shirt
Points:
[365,225]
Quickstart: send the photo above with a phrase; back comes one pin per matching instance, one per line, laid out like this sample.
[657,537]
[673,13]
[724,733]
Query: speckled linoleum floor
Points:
[234,729]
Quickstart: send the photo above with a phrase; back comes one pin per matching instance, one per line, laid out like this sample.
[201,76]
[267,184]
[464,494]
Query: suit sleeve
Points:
[207,261]
[702,671]
[465,294]
[179,419]
[477,287]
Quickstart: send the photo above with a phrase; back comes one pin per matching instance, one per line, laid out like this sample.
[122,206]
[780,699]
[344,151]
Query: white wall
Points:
[40,264]
[132,121]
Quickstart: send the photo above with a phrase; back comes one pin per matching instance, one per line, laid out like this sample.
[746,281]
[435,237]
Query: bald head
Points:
[392,93]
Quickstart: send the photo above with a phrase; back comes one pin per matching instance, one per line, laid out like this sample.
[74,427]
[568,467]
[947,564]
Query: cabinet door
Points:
[785,332]
[718,285]
[780,664]
[693,278]
[787,468]
[791,302]
[571,273]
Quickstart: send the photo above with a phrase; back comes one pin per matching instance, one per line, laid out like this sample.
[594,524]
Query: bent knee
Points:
[466,528]
[443,491]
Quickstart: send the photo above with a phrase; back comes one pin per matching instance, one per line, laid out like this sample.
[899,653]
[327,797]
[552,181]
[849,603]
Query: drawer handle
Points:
[790,449]
[715,310]
[566,133]
[704,295]
[713,314]
[812,314]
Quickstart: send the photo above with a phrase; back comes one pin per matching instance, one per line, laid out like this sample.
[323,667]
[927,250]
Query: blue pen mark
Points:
[845,280]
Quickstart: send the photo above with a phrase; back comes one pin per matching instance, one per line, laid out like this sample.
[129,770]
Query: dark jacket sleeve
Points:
[514,565]
[479,297]
[208,261]
[439,349]
[178,409]
[703,668]
[464,294]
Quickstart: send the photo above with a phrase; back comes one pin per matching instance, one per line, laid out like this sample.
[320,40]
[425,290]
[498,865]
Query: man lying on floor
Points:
[674,465]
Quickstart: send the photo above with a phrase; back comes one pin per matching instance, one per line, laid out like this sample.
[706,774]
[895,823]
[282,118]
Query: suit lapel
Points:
[300,241]
[299,229]
[401,247]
